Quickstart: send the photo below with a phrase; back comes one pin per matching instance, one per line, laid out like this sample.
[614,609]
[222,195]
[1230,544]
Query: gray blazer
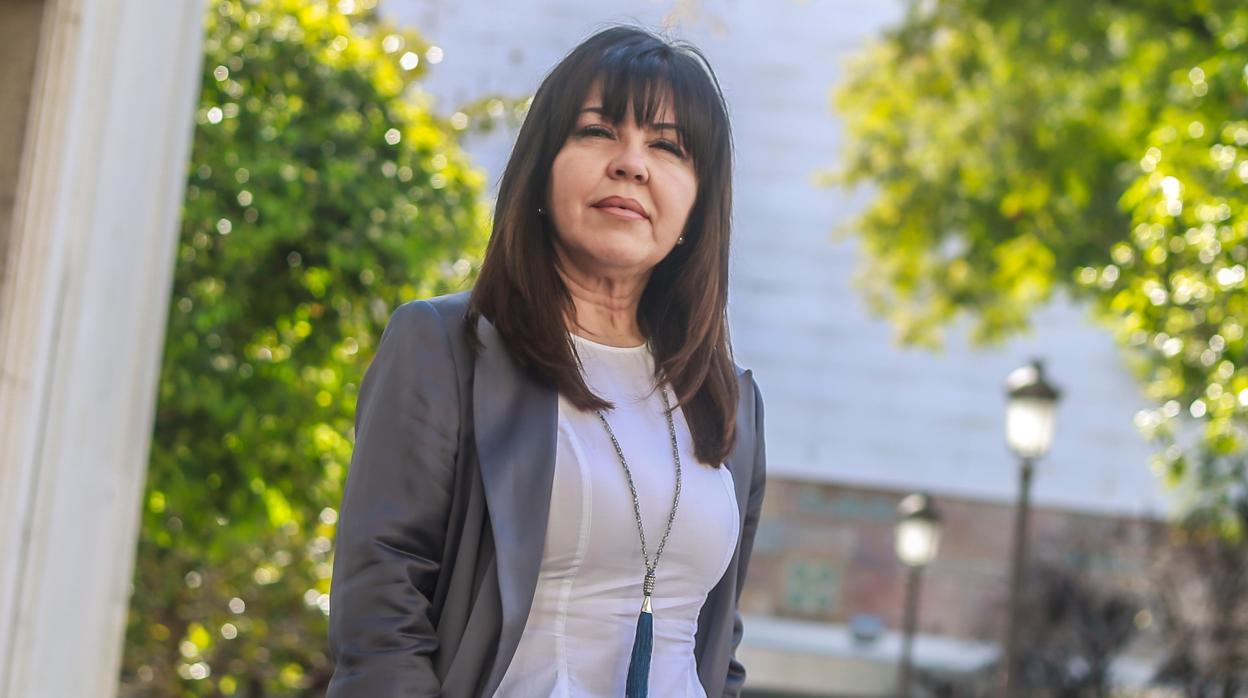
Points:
[443,518]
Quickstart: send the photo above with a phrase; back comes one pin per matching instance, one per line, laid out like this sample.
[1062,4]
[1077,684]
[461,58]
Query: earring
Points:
[540,211]
[680,240]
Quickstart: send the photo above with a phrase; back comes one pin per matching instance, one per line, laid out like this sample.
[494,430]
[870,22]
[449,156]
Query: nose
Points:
[629,164]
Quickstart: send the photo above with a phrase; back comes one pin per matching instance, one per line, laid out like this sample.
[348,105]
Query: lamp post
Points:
[917,541]
[1031,402]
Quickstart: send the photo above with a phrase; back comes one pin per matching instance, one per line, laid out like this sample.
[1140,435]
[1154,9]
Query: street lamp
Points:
[917,541]
[1029,432]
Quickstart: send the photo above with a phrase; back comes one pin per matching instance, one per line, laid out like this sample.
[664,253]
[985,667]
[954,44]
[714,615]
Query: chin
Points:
[625,254]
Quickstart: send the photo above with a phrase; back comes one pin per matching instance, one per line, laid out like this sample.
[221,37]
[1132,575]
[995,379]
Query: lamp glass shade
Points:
[1029,425]
[918,540]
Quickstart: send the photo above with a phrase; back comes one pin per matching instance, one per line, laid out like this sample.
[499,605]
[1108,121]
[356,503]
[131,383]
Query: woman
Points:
[524,516]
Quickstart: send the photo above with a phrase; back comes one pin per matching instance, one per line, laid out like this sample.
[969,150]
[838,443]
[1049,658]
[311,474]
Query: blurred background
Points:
[988,270]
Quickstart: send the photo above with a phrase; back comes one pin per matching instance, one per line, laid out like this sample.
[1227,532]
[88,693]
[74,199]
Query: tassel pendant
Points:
[643,644]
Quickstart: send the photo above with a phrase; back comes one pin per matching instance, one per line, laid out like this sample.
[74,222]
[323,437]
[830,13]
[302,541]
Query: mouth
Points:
[622,206]
[621,212]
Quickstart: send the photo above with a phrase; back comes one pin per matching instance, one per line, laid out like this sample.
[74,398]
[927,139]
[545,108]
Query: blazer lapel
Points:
[516,419]
[740,460]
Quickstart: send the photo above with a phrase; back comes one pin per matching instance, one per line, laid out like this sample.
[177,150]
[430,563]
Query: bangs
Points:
[648,78]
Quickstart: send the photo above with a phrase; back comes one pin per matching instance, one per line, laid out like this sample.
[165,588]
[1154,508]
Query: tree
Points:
[1201,599]
[1019,149]
[1077,627]
[322,193]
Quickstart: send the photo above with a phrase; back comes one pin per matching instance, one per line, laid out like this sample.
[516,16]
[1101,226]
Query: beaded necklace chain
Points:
[639,665]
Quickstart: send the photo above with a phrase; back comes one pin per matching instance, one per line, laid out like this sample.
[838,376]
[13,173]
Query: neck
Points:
[606,306]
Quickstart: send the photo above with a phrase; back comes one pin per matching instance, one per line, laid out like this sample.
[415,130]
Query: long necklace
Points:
[643,641]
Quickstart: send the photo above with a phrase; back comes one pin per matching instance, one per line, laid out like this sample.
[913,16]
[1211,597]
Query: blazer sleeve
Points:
[392,523]
[758,481]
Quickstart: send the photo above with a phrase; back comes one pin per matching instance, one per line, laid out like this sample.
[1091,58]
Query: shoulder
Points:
[451,307]
[446,310]
[437,315]
[424,329]
[750,393]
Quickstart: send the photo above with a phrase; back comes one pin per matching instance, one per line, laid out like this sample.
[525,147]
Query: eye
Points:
[594,130]
[672,147]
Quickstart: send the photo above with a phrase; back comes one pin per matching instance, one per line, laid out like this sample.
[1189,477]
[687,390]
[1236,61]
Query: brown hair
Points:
[683,309]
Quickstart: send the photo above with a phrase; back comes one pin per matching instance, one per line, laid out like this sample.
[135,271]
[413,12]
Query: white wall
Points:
[843,404]
[83,303]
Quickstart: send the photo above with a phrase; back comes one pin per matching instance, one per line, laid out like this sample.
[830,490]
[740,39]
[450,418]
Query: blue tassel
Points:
[639,663]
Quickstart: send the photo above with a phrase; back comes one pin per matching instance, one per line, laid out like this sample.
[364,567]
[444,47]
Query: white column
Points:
[84,292]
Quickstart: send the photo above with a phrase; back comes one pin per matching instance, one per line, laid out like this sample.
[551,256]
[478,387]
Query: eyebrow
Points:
[665,126]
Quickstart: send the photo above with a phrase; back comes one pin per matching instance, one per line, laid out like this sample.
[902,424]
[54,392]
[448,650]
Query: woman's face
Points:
[600,160]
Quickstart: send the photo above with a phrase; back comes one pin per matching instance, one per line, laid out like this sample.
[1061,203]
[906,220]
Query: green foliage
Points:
[1174,290]
[1101,149]
[322,193]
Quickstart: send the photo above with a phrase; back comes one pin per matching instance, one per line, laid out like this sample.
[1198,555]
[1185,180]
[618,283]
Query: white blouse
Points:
[579,634]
